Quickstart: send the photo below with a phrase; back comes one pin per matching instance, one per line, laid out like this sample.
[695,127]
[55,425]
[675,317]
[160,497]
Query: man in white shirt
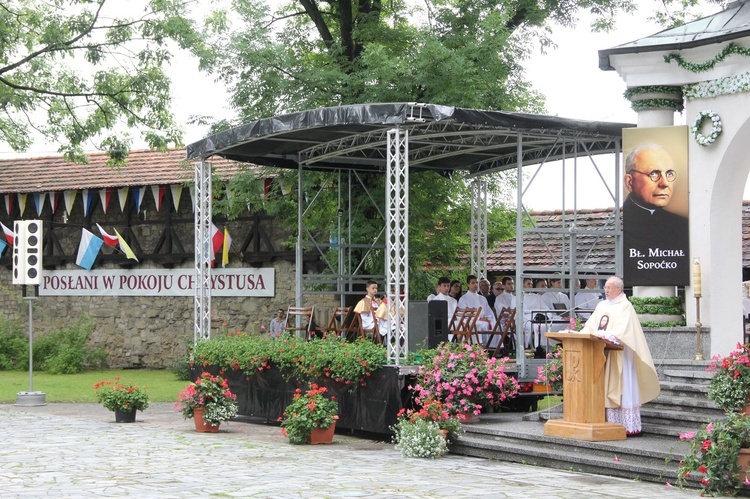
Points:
[555,297]
[472,299]
[367,306]
[444,286]
[433,295]
[506,298]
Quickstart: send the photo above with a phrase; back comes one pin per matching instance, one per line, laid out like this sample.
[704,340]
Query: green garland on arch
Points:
[675,104]
[651,89]
[700,67]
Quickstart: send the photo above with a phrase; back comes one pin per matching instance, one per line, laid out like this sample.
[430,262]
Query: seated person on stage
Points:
[586,299]
[532,305]
[485,290]
[506,298]
[381,313]
[630,376]
[472,299]
[433,295]
[367,306]
[557,300]
[455,290]
[444,286]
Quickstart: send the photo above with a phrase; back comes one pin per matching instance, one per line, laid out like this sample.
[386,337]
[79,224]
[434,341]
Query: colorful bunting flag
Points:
[105,196]
[125,248]
[138,193]
[159,191]
[9,204]
[39,198]
[22,202]
[3,245]
[88,201]
[176,194]
[54,200]
[10,236]
[88,249]
[108,239]
[225,251]
[70,198]
[122,194]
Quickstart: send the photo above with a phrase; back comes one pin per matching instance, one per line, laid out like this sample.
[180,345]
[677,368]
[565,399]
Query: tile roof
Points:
[593,253]
[145,167]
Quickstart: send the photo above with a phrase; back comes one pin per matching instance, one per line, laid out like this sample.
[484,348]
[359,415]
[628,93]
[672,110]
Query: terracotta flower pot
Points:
[200,425]
[323,435]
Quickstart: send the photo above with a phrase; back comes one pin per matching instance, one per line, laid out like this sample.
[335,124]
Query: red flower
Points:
[702,468]
[706,445]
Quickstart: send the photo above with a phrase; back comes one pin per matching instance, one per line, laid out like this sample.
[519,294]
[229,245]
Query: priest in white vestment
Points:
[472,299]
[630,375]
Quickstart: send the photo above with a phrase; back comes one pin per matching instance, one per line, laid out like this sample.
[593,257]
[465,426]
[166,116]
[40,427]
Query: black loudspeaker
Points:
[27,252]
[417,325]
[437,322]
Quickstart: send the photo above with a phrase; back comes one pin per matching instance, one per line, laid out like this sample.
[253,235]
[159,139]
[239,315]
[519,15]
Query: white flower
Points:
[697,128]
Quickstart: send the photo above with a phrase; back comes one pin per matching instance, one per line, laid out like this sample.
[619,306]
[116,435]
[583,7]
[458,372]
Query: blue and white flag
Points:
[88,249]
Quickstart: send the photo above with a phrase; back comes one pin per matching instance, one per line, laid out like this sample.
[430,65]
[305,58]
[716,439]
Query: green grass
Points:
[163,385]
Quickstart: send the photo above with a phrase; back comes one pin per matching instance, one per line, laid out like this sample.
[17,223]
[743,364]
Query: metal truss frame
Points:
[416,144]
[203,250]
[479,227]
[571,246]
[397,251]
[339,254]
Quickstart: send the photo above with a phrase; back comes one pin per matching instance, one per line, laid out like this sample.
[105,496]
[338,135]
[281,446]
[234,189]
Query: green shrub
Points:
[658,305]
[14,346]
[66,351]
[313,360]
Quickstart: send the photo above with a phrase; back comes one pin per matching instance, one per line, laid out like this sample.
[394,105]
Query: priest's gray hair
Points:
[616,281]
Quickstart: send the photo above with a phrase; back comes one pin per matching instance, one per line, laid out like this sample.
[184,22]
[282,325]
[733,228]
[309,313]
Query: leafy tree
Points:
[73,70]
[468,53]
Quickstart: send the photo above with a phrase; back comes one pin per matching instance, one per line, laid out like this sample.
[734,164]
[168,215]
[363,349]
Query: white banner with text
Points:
[257,282]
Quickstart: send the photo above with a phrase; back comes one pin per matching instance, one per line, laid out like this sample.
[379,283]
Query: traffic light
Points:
[27,252]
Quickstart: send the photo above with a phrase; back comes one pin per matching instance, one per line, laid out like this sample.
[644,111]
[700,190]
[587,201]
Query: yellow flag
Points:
[225,249]
[125,248]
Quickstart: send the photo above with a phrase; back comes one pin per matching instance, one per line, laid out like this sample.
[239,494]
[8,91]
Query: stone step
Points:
[594,457]
[687,376]
[697,405]
[674,417]
[676,388]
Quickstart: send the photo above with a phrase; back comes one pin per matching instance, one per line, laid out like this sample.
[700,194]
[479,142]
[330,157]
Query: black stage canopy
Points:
[442,138]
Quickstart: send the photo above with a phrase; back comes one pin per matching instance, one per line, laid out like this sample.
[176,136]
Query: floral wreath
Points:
[697,128]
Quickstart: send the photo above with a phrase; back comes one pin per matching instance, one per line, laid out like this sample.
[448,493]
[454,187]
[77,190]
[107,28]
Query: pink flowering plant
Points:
[551,373]
[464,380]
[730,386]
[712,456]
[213,394]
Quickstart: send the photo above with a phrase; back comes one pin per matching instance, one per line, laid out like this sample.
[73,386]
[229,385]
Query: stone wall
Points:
[145,331]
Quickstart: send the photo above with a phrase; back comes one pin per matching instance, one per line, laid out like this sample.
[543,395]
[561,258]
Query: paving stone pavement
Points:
[78,451]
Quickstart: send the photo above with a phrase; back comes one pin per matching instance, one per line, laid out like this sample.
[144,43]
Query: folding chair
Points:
[464,325]
[305,312]
[505,327]
[374,332]
[343,322]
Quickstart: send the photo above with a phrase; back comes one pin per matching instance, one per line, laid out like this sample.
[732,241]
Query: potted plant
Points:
[419,438]
[463,379]
[730,386]
[124,399]
[551,373]
[208,401]
[311,417]
[433,410]
[715,455]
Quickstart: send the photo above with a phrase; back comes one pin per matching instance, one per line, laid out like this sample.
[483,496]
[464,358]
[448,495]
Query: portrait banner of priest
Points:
[655,211]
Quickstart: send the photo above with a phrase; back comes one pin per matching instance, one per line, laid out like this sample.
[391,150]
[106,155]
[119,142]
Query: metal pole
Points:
[31,347]
[697,292]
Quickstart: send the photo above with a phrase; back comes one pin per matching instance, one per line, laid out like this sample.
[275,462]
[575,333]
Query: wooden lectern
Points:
[583,389]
